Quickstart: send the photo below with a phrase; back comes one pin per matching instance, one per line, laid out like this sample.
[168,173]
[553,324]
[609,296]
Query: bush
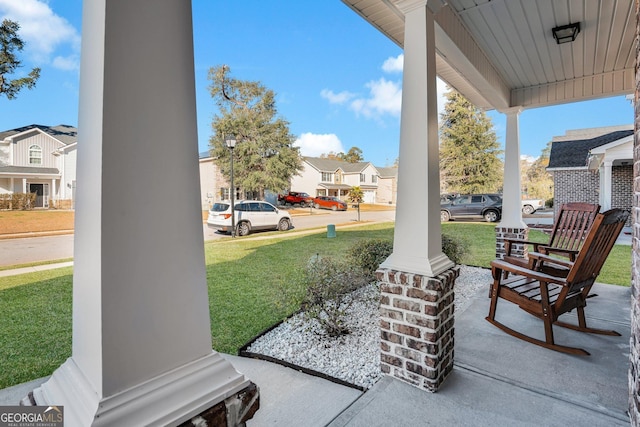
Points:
[549,202]
[454,248]
[330,293]
[369,254]
[15,201]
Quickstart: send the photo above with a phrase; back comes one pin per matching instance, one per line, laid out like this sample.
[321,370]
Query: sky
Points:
[338,80]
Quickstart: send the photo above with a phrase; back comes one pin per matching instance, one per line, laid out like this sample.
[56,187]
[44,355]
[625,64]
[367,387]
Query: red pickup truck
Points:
[295,198]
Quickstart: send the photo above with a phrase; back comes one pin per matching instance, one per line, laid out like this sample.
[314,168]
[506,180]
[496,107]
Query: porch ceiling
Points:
[501,53]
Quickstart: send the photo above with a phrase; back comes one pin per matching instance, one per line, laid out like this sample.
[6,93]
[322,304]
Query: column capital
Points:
[407,6]
[512,110]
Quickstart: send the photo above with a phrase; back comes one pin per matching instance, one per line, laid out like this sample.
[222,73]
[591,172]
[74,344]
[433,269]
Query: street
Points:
[38,249]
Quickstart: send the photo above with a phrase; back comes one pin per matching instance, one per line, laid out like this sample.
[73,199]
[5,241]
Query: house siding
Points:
[45,142]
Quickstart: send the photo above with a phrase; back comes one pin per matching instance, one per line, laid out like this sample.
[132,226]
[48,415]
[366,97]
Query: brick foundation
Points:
[417,326]
[517,249]
[235,410]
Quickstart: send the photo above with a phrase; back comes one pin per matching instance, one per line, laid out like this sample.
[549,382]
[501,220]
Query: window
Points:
[224,194]
[327,177]
[363,178]
[35,155]
[374,178]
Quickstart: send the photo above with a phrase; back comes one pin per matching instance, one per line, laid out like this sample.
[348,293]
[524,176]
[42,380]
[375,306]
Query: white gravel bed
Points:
[354,358]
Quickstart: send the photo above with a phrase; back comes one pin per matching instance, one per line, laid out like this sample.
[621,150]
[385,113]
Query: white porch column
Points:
[606,179]
[53,192]
[511,224]
[24,185]
[417,246]
[417,280]
[141,332]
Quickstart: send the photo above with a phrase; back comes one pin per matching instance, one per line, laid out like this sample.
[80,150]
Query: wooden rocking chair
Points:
[569,230]
[548,296]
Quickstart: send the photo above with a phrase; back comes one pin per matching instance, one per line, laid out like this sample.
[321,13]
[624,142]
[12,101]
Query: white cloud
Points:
[336,98]
[313,145]
[385,97]
[42,30]
[393,65]
[68,63]
[528,158]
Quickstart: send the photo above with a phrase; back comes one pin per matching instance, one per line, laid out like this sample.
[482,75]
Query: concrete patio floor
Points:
[497,380]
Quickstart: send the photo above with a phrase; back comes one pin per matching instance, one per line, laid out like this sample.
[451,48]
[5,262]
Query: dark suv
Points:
[472,206]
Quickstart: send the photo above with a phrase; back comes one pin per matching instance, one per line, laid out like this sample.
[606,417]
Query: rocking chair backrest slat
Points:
[572,225]
[602,236]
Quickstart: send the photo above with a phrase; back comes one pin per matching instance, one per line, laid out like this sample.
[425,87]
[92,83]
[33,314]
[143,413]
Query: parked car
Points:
[531,205]
[250,215]
[295,198]
[471,206]
[328,202]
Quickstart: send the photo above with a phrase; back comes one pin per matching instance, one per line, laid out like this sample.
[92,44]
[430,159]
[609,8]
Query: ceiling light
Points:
[566,33]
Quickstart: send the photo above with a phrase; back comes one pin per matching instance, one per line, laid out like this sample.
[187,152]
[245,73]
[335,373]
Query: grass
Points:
[35,221]
[246,279]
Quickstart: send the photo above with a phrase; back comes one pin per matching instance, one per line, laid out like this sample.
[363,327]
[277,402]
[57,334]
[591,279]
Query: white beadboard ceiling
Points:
[502,54]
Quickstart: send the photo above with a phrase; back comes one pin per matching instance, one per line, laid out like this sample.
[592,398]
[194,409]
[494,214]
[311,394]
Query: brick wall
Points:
[634,343]
[416,326]
[575,186]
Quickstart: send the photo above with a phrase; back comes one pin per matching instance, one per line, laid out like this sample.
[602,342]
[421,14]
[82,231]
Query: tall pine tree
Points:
[469,149]
[264,156]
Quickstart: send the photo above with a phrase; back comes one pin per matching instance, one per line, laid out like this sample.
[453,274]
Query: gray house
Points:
[594,166]
[42,160]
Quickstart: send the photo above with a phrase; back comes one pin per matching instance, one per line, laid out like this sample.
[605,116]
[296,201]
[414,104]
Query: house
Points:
[42,160]
[593,165]
[329,177]
[213,186]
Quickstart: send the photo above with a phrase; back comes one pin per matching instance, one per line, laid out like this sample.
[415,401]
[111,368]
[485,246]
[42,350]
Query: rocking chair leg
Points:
[589,330]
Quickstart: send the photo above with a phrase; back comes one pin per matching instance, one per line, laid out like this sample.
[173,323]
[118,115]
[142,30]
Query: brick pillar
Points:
[417,326]
[517,249]
[634,342]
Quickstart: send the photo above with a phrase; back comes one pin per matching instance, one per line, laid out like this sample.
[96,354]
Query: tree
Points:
[354,155]
[538,183]
[469,149]
[356,195]
[10,43]
[264,156]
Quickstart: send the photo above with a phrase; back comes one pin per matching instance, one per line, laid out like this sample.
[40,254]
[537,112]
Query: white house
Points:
[330,177]
[42,160]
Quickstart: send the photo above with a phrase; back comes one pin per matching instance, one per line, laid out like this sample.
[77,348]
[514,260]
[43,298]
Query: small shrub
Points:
[549,203]
[369,254]
[454,247]
[330,287]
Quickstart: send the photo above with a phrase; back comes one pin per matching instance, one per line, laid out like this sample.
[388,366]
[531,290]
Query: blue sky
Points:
[337,79]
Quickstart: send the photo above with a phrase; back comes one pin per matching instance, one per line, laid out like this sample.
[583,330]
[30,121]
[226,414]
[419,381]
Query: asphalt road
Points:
[37,249]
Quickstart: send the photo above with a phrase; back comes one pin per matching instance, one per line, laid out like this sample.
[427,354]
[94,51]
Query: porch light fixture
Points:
[230,140]
[566,33]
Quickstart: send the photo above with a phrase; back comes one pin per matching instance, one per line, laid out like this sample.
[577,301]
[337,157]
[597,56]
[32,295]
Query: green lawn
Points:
[246,279]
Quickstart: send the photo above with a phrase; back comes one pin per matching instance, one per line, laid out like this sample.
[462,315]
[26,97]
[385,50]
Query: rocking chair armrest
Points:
[498,266]
[539,258]
[569,253]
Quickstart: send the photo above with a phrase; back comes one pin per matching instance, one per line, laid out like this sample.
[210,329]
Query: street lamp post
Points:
[230,140]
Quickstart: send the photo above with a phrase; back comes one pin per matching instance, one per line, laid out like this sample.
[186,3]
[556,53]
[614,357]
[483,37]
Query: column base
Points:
[417,326]
[517,249]
[204,389]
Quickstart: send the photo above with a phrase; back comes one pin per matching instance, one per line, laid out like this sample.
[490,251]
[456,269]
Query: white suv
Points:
[250,215]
